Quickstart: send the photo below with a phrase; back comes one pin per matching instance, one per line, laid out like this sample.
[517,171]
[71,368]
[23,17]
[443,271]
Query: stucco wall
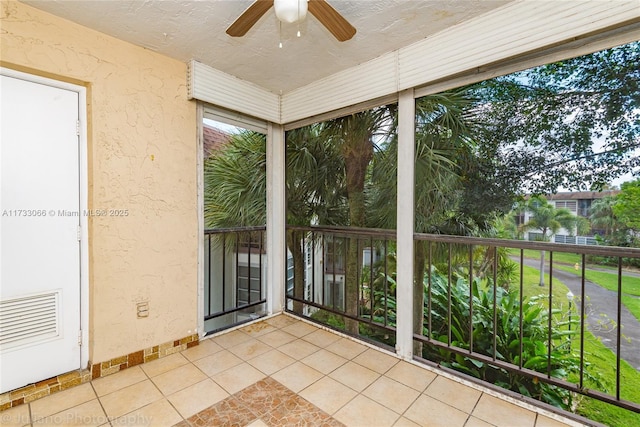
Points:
[142,158]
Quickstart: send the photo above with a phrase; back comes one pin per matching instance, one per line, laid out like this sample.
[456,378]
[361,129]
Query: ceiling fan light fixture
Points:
[290,11]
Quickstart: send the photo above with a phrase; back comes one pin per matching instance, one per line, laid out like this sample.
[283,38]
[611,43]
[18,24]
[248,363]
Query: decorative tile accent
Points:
[49,386]
[266,402]
[117,364]
[43,388]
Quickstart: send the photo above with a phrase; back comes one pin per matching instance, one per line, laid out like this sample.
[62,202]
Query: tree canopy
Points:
[572,124]
[627,205]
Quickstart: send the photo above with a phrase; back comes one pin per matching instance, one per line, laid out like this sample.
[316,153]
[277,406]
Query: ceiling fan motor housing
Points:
[290,11]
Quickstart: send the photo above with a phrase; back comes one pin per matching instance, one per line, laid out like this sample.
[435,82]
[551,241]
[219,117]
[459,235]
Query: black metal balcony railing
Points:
[234,260]
[566,316]
[483,312]
[342,277]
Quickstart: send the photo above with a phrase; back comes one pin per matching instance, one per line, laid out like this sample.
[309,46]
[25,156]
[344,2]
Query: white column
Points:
[276,218]
[405,215]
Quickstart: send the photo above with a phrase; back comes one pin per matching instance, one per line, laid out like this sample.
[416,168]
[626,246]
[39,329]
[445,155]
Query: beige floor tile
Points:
[427,411]
[231,339]
[258,423]
[544,421]
[321,338]
[324,361]
[277,338]
[206,348]
[298,349]
[271,362]
[118,381]
[411,375]
[346,348]
[328,394]
[16,417]
[299,329]
[216,363]
[453,393]
[391,394]
[86,414]
[178,378]
[240,376]
[250,349]
[258,329]
[502,413]
[477,422]
[363,411]
[281,321]
[405,422]
[297,376]
[162,365]
[193,399]
[157,414]
[62,400]
[355,376]
[130,398]
[376,360]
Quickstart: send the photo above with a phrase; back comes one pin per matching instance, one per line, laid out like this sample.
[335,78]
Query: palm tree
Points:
[549,220]
[235,187]
[441,150]
[315,193]
[602,216]
[235,182]
[355,138]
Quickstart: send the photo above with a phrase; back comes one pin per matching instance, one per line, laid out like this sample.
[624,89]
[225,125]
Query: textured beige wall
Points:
[142,157]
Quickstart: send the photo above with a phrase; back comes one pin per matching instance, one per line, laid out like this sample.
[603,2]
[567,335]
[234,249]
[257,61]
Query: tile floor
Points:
[277,372]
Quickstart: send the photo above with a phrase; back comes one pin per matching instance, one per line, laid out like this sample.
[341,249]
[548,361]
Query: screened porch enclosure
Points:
[435,298]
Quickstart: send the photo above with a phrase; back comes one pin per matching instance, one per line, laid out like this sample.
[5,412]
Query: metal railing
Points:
[234,267]
[484,312]
[567,319]
[342,278]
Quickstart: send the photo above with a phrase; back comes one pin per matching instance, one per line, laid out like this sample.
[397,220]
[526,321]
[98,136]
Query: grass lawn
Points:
[562,257]
[602,362]
[630,286]
[531,278]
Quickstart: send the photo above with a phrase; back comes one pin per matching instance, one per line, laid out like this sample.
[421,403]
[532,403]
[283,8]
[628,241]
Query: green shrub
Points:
[535,331]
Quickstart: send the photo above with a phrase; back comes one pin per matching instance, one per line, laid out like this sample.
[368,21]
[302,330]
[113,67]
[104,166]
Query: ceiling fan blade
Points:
[249,17]
[330,18]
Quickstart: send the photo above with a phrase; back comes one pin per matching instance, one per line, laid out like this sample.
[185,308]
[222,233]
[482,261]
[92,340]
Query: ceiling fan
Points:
[292,11]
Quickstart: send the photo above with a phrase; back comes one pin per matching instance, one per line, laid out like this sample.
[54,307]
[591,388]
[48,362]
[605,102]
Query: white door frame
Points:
[83,185]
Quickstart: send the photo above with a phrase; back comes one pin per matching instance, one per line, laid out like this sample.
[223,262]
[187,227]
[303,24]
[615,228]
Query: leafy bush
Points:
[535,331]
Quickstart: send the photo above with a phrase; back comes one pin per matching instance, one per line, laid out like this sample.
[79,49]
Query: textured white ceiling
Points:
[188,30]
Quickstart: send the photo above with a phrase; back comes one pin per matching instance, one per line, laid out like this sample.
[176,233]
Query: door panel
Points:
[39,220]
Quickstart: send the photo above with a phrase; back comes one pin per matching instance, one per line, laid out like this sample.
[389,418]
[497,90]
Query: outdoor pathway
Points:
[601,309]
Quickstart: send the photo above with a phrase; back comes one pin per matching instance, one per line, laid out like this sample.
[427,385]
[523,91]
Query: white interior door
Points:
[39,232]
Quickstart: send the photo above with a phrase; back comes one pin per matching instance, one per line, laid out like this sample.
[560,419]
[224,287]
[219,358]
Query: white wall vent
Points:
[29,319]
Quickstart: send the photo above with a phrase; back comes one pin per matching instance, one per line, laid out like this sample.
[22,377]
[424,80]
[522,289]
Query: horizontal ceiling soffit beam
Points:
[352,109]
[580,46]
[425,62]
[218,88]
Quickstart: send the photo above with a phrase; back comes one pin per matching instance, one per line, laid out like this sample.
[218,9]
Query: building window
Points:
[572,205]
[335,256]
[248,285]
[333,294]
[584,207]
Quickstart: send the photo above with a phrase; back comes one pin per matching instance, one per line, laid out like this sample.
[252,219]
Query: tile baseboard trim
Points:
[40,389]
